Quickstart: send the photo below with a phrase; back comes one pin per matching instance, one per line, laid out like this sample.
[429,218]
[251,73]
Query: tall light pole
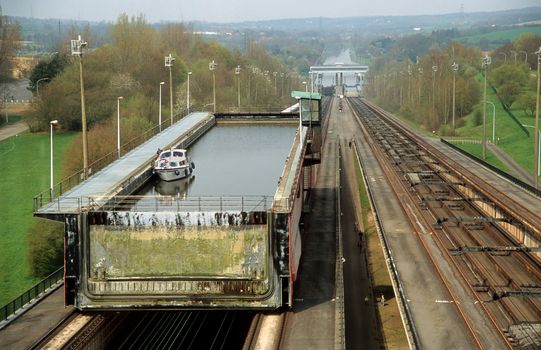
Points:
[212,68]
[51,123]
[160,108]
[169,63]
[237,73]
[77,48]
[493,122]
[434,70]
[37,84]
[538,156]
[275,74]
[455,69]
[188,93]
[118,125]
[486,62]
[525,56]
[536,141]
[420,70]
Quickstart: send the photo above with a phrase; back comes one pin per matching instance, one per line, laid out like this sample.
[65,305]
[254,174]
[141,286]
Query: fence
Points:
[34,293]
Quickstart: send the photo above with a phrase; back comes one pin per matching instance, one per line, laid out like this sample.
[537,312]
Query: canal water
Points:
[232,160]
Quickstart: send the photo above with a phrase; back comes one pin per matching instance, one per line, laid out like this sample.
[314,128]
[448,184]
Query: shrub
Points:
[45,247]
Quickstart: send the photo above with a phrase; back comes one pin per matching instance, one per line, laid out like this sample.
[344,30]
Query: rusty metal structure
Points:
[165,252]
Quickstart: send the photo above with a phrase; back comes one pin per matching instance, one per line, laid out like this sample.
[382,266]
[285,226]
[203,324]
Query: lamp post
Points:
[160,108]
[493,122]
[537,148]
[455,69]
[420,70]
[77,48]
[37,84]
[118,125]
[237,73]
[188,93]
[434,70]
[169,63]
[486,62]
[525,56]
[51,123]
[212,68]
[275,74]
[538,154]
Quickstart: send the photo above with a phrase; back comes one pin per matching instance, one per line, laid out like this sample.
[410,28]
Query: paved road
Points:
[312,324]
[11,129]
[32,325]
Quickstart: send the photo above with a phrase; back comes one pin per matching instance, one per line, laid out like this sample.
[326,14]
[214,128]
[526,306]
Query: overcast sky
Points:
[243,10]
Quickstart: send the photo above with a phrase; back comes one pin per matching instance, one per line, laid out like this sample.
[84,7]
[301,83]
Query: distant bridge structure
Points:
[339,73]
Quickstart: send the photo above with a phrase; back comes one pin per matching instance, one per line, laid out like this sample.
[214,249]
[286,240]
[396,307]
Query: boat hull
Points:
[174,174]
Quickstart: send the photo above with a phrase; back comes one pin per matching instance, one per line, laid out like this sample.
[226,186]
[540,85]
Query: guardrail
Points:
[502,173]
[160,203]
[32,294]
[183,204]
[73,180]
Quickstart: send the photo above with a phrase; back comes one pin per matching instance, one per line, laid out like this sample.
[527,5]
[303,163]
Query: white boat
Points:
[173,164]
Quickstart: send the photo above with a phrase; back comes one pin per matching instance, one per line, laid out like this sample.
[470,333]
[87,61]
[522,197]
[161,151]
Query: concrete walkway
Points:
[11,129]
[514,168]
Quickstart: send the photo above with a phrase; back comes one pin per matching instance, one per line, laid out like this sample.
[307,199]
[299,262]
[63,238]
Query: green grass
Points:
[24,173]
[12,119]
[501,36]
[477,150]
[509,135]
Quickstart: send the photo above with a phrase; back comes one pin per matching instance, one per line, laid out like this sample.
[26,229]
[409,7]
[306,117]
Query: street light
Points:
[160,108]
[434,70]
[77,49]
[212,68]
[493,122]
[51,123]
[525,56]
[169,63]
[537,148]
[237,73]
[37,84]
[455,69]
[486,62]
[118,125]
[188,94]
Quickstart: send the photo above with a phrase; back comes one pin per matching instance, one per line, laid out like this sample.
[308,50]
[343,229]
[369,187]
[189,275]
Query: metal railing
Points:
[54,279]
[73,180]
[181,204]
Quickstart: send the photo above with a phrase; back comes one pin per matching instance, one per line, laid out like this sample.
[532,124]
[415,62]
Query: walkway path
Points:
[11,129]
[514,168]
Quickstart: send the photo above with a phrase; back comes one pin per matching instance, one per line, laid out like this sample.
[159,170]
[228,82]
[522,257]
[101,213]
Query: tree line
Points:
[132,66]
[422,89]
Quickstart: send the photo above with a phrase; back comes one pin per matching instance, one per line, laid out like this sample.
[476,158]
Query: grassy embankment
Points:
[24,173]
[509,136]
[389,315]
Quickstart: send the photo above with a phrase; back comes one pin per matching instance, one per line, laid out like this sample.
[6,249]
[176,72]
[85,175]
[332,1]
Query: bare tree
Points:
[9,43]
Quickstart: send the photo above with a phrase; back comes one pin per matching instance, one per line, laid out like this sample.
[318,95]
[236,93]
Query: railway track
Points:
[150,330]
[477,229]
